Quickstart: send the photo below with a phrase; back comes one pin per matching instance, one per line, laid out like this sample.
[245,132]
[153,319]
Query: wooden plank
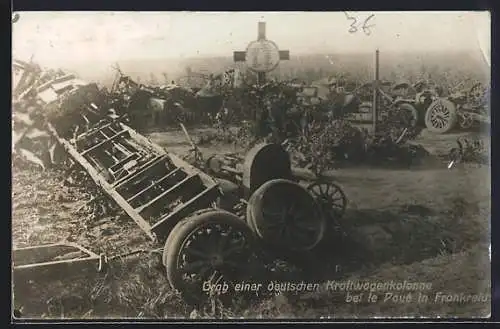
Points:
[208,195]
[56,270]
[168,191]
[116,166]
[101,181]
[110,139]
[132,198]
[145,167]
[92,133]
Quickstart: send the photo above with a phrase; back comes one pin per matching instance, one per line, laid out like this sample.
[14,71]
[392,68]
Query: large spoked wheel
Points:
[209,248]
[330,197]
[441,116]
[285,215]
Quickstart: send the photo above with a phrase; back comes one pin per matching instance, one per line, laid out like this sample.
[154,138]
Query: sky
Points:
[77,37]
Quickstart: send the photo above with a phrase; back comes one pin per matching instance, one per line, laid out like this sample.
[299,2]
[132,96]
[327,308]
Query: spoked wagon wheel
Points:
[284,214]
[214,247]
[441,116]
[330,197]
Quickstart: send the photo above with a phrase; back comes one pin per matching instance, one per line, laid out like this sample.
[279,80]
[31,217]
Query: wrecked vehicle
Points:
[462,109]
[208,229]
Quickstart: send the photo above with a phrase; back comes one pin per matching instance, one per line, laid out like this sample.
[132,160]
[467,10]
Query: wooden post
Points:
[375,92]
[261,78]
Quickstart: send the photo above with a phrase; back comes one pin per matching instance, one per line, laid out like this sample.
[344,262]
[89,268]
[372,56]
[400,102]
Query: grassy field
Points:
[426,224]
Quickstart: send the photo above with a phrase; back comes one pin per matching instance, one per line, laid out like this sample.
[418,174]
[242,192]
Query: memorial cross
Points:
[262,55]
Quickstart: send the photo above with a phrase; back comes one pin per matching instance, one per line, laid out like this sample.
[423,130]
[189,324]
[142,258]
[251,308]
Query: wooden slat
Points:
[132,156]
[100,181]
[168,191]
[92,133]
[112,138]
[132,198]
[185,209]
[148,165]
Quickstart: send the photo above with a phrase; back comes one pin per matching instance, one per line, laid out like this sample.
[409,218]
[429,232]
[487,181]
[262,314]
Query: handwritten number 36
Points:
[355,25]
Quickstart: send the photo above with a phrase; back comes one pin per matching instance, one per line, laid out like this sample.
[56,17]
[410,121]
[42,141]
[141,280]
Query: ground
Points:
[427,224]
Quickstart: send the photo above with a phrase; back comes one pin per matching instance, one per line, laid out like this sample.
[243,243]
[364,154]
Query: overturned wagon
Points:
[195,215]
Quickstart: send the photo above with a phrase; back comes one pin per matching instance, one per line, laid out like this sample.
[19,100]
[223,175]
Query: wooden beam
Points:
[110,139]
[375,93]
[207,196]
[117,166]
[168,191]
[261,35]
[145,167]
[170,174]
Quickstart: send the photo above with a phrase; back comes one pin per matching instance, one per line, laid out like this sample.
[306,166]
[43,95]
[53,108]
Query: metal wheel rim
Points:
[213,262]
[330,197]
[440,116]
[288,223]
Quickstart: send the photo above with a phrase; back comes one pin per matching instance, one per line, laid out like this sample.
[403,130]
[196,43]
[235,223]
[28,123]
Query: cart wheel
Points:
[212,247]
[441,116]
[285,215]
[330,197]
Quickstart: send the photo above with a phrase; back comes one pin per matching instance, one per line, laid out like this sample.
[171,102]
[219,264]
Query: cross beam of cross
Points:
[262,55]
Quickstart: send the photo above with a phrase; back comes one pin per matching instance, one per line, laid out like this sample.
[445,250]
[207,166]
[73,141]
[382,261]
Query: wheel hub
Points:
[216,260]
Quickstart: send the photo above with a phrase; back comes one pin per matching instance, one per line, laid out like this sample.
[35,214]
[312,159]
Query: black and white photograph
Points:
[250,165]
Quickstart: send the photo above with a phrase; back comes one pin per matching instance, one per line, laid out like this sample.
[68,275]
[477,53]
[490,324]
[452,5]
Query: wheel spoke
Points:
[339,206]
[336,191]
[234,249]
[225,238]
[193,267]
[192,251]
[315,193]
[328,186]
[235,265]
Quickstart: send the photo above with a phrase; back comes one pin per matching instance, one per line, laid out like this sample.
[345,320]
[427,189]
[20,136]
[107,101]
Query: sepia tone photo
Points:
[250,165]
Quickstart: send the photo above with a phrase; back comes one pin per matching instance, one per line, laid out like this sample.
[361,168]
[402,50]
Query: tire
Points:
[179,237]
[286,195]
[411,109]
[441,125]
